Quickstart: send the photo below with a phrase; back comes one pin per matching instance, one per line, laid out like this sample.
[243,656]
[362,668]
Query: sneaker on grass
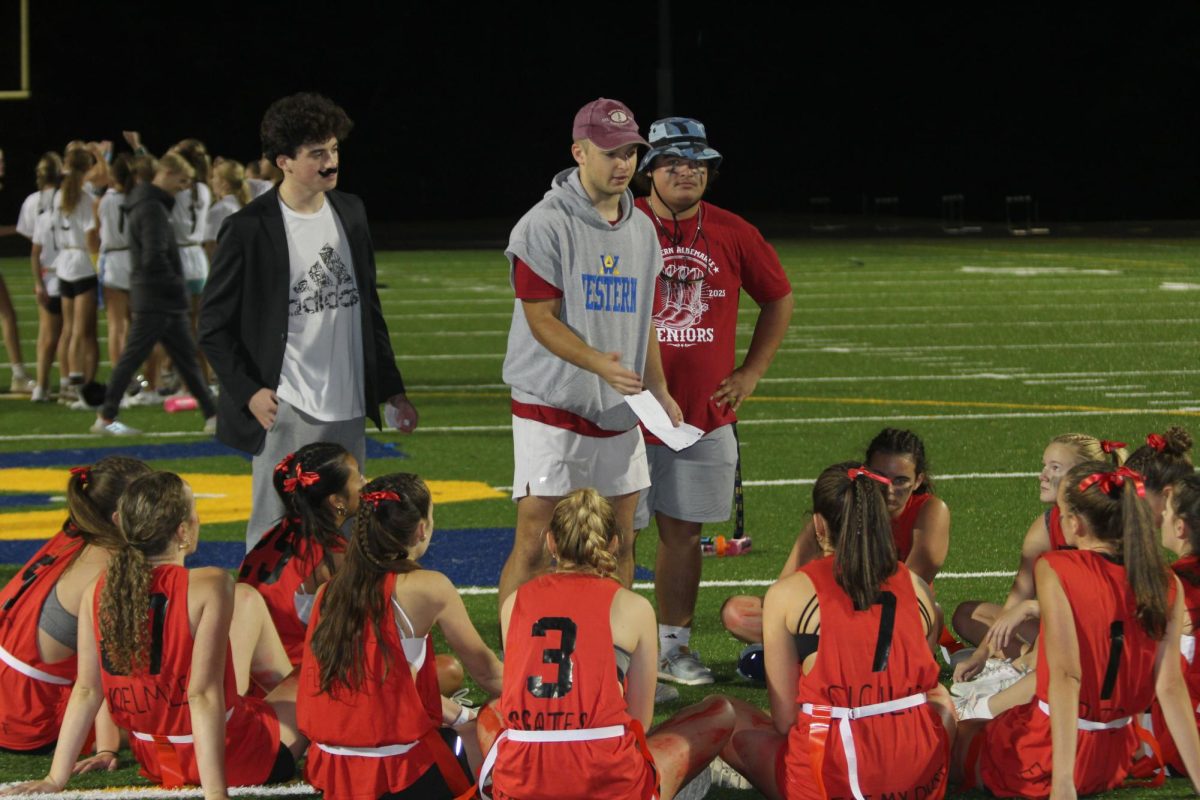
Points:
[665,693]
[114,428]
[210,426]
[726,777]
[681,665]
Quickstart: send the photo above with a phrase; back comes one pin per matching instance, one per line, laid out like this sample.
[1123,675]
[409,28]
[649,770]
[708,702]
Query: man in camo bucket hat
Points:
[709,255]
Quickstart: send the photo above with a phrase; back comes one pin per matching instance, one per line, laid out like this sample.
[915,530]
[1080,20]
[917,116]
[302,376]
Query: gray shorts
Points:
[694,485]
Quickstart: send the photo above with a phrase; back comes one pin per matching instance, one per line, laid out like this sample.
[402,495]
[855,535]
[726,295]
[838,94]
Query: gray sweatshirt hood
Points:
[567,191]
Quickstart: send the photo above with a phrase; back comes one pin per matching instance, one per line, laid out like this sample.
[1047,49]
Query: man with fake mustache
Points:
[311,368]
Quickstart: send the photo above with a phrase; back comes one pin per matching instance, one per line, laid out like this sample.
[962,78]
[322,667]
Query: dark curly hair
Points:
[300,119]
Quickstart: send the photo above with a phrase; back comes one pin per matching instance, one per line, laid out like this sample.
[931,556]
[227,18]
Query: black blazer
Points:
[244,316]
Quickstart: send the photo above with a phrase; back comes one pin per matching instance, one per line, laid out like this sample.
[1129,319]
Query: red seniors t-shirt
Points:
[706,261]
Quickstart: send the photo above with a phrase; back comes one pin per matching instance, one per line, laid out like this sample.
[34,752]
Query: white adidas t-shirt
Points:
[322,373]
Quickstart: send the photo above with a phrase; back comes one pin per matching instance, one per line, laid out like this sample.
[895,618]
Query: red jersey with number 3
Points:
[1116,661]
[1188,570]
[154,702]
[278,566]
[867,657]
[560,673]
[33,697]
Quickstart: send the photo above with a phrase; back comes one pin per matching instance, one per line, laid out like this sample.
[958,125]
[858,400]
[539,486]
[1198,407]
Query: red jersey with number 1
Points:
[153,704]
[33,694]
[707,260]
[867,657]
[560,673]
[1116,661]
[278,566]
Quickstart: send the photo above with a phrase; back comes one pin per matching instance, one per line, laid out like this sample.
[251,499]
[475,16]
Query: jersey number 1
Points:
[158,619]
[560,656]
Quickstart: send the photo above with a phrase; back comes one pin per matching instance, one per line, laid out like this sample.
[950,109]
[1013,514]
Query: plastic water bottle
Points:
[721,547]
[179,402]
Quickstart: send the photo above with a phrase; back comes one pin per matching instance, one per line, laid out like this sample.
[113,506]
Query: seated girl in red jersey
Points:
[920,523]
[858,712]
[39,614]
[1112,616]
[368,694]
[319,486]
[1008,631]
[1162,461]
[170,649]
[580,667]
[1181,535]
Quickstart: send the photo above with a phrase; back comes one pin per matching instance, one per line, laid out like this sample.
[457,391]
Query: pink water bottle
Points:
[179,402]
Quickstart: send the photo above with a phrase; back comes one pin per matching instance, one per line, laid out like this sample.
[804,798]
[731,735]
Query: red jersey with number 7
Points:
[1116,670]
[867,657]
[560,673]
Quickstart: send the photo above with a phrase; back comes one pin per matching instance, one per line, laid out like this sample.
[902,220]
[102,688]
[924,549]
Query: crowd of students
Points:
[77,222]
[322,647]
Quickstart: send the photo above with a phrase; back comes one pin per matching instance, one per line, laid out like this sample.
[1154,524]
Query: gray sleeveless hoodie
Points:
[607,273]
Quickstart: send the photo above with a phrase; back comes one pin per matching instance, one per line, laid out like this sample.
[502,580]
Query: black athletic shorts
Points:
[72,289]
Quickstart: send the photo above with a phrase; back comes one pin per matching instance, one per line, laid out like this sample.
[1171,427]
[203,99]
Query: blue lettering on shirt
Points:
[614,293]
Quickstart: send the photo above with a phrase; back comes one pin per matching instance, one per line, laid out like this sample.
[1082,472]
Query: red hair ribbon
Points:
[375,498]
[302,479]
[1108,446]
[84,473]
[854,473]
[1156,441]
[285,464]
[1114,480]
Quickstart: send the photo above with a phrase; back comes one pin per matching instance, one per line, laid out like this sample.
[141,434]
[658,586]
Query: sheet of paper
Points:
[655,418]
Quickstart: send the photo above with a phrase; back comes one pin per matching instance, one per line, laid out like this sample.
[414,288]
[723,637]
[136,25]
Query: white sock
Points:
[18,373]
[671,637]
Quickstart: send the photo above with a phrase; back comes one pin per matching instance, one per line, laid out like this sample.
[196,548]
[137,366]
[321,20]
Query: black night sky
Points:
[463,112]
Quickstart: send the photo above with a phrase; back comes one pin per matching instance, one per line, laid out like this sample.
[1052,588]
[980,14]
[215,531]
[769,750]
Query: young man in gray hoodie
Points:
[583,265]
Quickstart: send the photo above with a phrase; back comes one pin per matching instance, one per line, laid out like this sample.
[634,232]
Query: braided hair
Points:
[385,532]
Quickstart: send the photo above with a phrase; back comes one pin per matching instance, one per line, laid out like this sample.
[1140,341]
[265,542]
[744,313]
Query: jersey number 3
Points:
[560,655]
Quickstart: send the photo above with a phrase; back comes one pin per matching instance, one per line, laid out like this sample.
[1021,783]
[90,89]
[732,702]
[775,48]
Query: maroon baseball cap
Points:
[608,124]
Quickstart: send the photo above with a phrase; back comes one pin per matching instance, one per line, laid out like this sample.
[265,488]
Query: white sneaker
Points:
[114,428]
[997,674]
[143,398]
[22,385]
[665,693]
[210,426]
[39,395]
[726,777]
[974,705]
[82,405]
[681,665]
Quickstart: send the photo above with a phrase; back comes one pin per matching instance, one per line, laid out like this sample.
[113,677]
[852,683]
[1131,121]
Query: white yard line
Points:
[159,793]
[733,584]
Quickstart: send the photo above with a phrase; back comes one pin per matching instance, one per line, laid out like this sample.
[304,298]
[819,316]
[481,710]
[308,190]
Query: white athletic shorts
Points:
[195,263]
[115,267]
[693,485]
[551,462]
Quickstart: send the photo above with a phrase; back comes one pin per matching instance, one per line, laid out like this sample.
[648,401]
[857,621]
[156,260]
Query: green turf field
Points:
[986,348]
